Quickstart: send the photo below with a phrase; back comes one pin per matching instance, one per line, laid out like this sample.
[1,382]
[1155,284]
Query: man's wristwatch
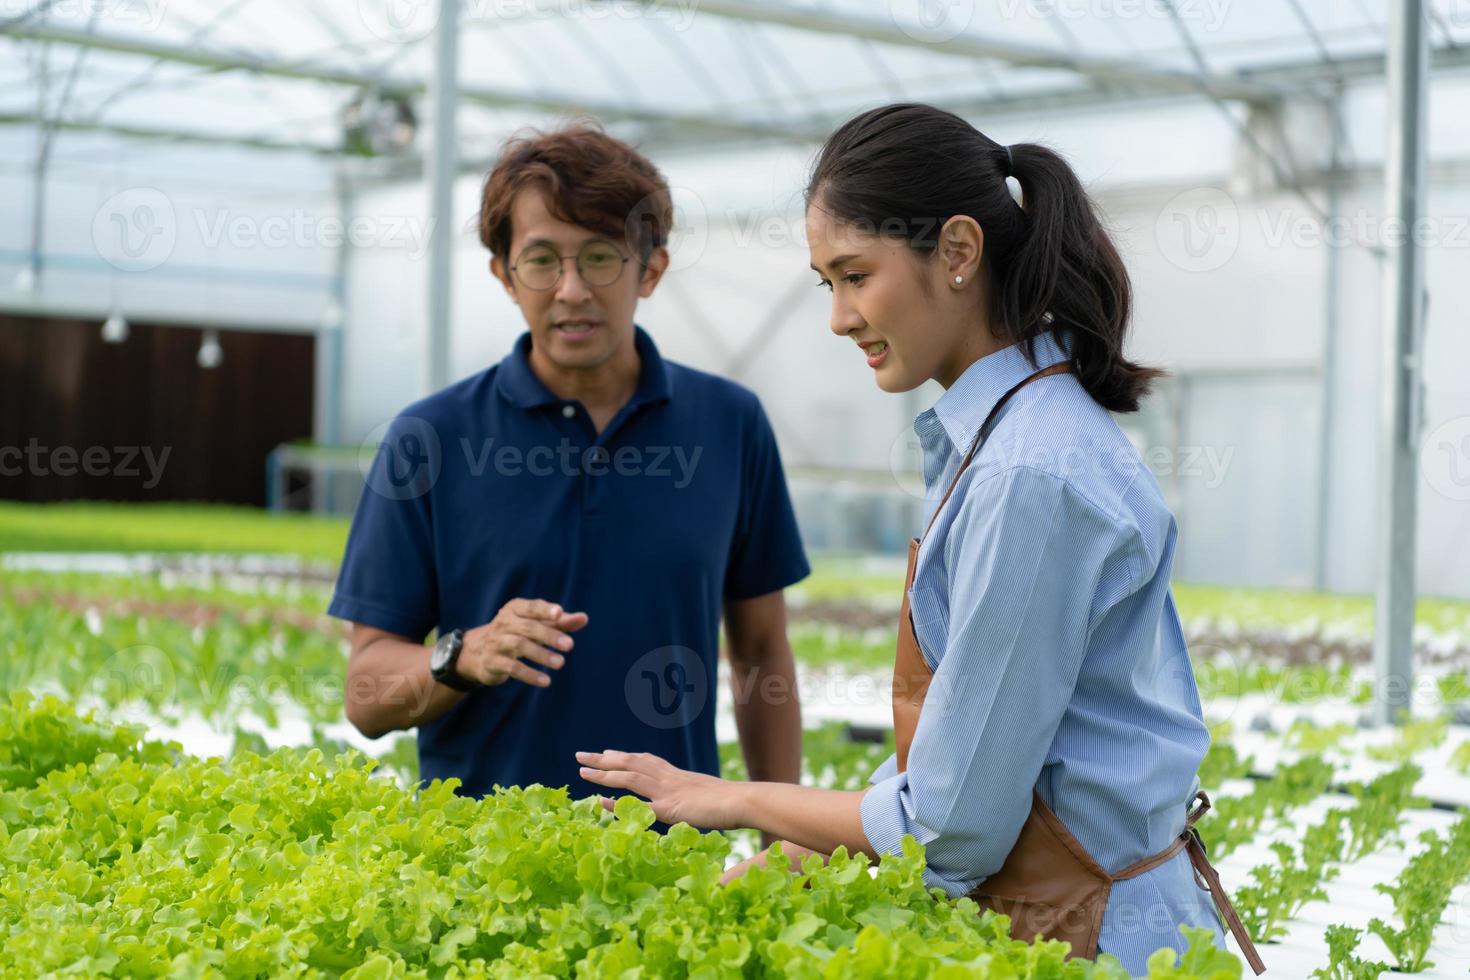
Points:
[444,662]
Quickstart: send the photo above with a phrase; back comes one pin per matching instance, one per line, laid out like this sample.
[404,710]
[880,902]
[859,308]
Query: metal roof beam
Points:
[204,56]
[831,20]
[1307,78]
[171,135]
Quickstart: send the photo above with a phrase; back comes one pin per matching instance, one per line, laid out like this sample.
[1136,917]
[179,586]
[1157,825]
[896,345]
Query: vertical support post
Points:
[330,341]
[1393,633]
[1327,399]
[440,168]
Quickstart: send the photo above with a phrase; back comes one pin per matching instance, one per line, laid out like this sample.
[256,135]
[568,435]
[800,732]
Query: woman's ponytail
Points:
[1049,259]
[1066,270]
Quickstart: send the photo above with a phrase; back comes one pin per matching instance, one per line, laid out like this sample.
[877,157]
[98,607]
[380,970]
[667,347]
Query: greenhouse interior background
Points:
[238,237]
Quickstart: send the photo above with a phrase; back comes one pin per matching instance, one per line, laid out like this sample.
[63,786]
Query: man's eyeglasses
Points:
[539,266]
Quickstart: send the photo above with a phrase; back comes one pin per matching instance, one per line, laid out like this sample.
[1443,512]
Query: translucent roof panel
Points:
[273,71]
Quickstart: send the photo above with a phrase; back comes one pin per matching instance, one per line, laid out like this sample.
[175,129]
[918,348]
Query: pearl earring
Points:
[958,280]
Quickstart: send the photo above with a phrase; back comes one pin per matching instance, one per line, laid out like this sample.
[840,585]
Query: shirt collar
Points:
[519,383]
[962,409]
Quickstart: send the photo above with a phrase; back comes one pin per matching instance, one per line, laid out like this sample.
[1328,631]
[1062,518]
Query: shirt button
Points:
[598,455]
[567,411]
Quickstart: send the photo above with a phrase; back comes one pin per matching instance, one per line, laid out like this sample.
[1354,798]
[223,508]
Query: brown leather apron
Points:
[1049,884]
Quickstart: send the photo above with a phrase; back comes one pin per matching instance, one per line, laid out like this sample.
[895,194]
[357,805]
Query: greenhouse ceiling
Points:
[290,75]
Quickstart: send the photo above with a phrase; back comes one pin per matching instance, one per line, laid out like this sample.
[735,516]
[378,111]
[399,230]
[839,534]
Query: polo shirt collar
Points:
[519,383]
[962,409]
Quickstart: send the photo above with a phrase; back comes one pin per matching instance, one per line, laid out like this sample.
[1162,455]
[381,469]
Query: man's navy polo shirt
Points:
[495,489]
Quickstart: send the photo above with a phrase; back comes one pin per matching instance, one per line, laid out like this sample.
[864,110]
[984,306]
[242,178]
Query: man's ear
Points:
[653,271]
[499,271]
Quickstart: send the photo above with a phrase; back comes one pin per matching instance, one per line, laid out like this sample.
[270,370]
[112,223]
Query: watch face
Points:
[440,656]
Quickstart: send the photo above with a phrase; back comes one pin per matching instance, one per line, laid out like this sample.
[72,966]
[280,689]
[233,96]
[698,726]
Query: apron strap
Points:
[1061,367]
[1204,874]
[1204,869]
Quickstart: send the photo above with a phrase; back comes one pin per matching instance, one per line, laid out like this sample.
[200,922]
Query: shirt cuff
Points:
[887,769]
[887,817]
[380,617]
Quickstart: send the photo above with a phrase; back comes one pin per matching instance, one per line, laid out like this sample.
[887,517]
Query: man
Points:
[583,512]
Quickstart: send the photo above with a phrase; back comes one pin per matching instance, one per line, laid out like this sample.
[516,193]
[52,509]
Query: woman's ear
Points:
[961,246]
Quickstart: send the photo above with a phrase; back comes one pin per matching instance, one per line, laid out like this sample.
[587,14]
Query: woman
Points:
[1048,724]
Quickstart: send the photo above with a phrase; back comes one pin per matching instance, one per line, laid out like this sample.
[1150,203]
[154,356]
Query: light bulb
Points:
[115,330]
[210,352]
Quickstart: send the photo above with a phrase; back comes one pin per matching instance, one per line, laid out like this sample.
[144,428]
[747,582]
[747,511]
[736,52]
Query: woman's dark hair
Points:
[908,168]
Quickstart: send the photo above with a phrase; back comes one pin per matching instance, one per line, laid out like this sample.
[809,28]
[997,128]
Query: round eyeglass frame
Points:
[560,265]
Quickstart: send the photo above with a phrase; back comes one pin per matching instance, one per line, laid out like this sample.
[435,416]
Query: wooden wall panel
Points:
[62,388]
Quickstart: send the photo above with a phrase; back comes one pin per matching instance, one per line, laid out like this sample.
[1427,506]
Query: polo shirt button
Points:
[567,411]
[598,455]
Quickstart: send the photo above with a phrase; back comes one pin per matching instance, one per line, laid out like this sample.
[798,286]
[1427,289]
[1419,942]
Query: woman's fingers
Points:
[617,779]
[621,770]
[744,866]
[612,759]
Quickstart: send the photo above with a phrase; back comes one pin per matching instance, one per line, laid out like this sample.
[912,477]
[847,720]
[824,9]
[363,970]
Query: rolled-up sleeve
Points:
[886,770]
[1032,566]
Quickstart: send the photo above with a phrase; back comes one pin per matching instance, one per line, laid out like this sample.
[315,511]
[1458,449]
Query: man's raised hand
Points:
[524,632]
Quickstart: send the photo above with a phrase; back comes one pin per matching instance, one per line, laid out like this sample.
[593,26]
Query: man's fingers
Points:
[520,648]
[511,667]
[571,622]
[538,632]
[549,612]
[534,608]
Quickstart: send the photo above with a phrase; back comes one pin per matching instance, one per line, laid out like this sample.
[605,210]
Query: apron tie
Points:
[1211,883]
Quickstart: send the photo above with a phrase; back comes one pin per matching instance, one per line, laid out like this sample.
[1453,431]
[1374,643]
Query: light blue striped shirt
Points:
[1041,600]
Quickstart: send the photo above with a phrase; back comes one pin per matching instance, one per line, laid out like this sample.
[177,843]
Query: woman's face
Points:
[911,321]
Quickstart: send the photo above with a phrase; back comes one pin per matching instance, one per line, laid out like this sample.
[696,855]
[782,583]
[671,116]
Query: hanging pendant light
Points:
[115,330]
[210,353]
